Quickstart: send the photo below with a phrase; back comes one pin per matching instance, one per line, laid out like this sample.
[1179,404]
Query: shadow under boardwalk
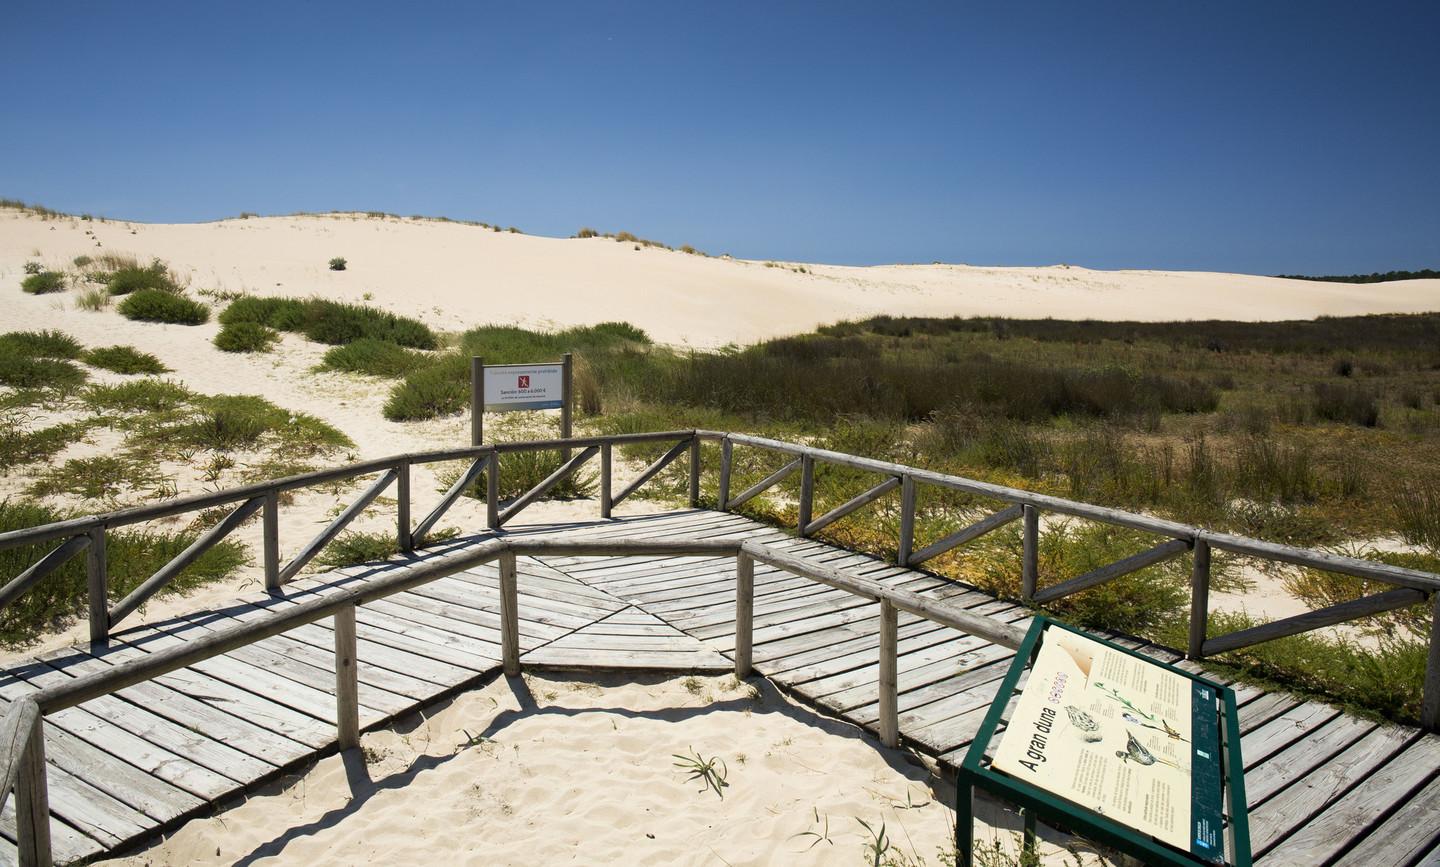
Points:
[1323,786]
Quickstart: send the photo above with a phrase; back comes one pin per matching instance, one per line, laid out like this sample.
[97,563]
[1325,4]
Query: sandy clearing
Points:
[577,769]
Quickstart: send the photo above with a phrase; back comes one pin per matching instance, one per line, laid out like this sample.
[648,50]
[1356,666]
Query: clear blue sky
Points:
[1262,137]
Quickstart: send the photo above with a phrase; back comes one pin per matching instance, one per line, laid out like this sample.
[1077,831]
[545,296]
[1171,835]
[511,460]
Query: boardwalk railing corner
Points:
[22,766]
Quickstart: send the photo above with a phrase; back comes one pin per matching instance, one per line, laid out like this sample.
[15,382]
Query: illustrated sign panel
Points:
[1127,738]
[511,387]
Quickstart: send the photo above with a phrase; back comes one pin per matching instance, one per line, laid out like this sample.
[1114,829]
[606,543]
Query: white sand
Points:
[581,771]
[456,276]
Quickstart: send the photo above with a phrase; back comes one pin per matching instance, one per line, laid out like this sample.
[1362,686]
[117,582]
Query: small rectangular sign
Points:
[513,387]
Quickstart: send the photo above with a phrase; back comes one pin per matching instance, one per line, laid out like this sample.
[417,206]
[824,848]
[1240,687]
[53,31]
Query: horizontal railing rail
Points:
[22,742]
[1413,586]
[87,534]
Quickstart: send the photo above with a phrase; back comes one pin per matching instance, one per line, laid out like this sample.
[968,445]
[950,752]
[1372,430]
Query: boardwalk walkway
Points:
[1324,787]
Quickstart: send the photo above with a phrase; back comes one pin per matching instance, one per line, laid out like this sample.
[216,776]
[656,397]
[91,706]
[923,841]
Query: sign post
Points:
[1115,746]
[514,387]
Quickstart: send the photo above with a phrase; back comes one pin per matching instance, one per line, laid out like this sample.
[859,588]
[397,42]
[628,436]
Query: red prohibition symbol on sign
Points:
[524,382]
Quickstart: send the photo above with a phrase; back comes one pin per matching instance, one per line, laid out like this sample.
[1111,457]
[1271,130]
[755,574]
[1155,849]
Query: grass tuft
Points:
[43,283]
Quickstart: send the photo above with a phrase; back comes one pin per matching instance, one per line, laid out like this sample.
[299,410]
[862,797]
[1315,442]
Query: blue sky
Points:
[1260,137]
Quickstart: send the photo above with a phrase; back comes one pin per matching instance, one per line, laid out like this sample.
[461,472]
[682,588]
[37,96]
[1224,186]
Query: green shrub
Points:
[337,264]
[43,283]
[332,322]
[41,344]
[374,357]
[282,314]
[440,389]
[82,261]
[154,305]
[124,359]
[1346,402]
[39,359]
[133,556]
[33,268]
[132,278]
[246,337]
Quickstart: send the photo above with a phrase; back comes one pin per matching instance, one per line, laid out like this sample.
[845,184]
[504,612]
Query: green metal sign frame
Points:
[975,772]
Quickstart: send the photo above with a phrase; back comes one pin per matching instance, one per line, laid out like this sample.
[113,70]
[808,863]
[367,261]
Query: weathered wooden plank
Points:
[1278,818]
[1347,819]
[1406,836]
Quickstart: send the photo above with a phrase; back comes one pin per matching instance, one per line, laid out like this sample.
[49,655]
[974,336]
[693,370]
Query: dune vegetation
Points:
[1312,433]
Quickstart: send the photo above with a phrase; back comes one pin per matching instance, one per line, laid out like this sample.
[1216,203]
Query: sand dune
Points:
[454,275]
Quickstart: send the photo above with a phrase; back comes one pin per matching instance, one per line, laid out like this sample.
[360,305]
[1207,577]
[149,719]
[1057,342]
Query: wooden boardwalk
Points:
[1323,787]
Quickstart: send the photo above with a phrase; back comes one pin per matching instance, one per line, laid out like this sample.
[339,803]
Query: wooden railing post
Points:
[1030,555]
[509,615]
[695,472]
[889,670]
[492,492]
[907,520]
[271,539]
[567,398]
[744,612]
[347,681]
[402,507]
[606,505]
[807,494]
[1200,599]
[726,450]
[477,400]
[97,574]
[1430,707]
[32,795]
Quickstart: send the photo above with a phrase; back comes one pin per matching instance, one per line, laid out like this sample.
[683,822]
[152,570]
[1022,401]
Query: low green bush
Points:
[374,357]
[133,278]
[337,264]
[43,283]
[124,359]
[246,337]
[39,359]
[331,322]
[33,268]
[439,389]
[19,446]
[154,305]
[41,344]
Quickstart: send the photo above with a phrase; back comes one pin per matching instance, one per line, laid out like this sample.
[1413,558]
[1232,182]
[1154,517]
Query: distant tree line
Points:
[1426,274]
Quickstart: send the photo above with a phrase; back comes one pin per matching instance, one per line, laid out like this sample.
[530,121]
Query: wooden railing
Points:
[22,743]
[1410,586]
[88,534]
